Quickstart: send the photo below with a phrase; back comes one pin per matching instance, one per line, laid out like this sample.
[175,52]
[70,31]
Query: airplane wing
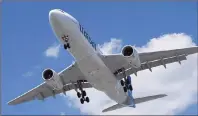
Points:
[148,60]
[69,77]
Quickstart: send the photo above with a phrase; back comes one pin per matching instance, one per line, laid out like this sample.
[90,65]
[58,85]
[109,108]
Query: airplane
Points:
[92,69]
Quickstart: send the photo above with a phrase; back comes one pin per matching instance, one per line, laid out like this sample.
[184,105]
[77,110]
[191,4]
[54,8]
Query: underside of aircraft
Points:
[91,69]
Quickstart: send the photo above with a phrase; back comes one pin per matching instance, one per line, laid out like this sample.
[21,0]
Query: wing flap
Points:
[152,64]
[118,61]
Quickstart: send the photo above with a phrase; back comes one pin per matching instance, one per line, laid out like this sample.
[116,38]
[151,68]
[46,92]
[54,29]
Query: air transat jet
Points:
[92,69]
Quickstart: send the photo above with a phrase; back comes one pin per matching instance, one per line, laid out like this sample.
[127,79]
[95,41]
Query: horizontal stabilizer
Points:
[114,107]
[137,101]
[148,98]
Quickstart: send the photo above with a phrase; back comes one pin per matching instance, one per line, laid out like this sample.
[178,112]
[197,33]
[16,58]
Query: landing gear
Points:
[122,82]
[78,94]
[82,94]
[125,89]
[81,100]
[65,38]
[66,46]
[126,83]
[87,99]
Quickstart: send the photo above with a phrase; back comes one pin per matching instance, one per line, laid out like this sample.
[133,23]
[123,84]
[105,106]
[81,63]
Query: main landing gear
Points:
[82,95]
[126,83]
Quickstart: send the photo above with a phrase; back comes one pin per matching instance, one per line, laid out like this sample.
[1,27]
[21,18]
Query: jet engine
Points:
[52,79]
[132,56]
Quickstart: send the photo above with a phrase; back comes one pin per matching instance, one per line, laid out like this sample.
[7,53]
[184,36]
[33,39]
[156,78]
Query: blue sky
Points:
[26,34]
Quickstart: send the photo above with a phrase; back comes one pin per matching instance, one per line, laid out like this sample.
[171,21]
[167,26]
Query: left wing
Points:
[69,77]
[148,60]
[44,91]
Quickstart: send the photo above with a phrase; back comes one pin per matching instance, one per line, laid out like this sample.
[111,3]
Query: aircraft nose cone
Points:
[54,15]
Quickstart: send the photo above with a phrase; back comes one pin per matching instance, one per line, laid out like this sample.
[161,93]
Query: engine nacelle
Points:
[132,54]
[52,79]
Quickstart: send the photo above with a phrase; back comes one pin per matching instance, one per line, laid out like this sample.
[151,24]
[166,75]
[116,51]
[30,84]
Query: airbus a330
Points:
[92,69]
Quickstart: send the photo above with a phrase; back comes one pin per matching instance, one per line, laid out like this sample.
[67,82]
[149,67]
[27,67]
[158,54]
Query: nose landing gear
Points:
[66,46]
[66,40]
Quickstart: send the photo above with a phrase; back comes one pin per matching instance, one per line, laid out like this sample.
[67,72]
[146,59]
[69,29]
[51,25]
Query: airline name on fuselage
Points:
[82,30]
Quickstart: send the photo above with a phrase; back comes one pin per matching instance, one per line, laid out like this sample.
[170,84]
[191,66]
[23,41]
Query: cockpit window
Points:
[61,10]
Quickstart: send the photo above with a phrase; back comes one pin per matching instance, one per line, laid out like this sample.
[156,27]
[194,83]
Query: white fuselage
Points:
[85,54]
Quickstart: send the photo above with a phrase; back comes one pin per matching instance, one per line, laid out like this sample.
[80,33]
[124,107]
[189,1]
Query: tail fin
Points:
[137,101]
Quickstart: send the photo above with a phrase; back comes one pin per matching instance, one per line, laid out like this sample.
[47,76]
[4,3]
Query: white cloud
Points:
[53,51]
[111,47]
[179,82]
[28,74]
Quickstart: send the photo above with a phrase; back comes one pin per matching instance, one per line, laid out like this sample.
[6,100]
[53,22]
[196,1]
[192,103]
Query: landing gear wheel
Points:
[82,101]
[130,87]
[87,99]
[66,46]
[78,94]
[125,89]
[122,82]
[84,93]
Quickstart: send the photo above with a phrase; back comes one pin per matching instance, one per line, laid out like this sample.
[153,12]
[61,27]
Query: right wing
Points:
[148,60]
[151,56]
[69,77]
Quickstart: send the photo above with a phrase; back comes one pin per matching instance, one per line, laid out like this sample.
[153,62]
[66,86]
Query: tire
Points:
[84,93]
[68,45]
[130,87]
[65,46]
[125,89]
[122,82]
[87,99]
[82,101]
[78,94]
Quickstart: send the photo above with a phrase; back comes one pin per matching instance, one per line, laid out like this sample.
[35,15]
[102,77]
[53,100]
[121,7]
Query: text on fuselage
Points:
[82,30]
